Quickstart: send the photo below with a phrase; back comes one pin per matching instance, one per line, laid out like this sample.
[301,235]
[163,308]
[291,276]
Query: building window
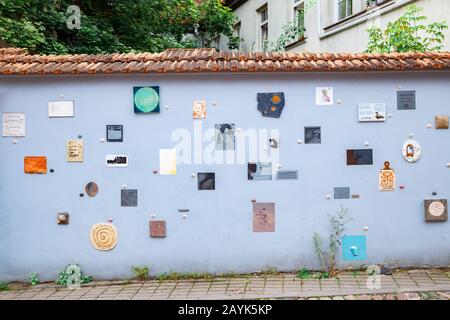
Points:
[344,9]
[237,33]
[264,25]
[299,16]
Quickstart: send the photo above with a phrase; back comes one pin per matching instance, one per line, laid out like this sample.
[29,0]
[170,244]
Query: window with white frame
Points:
[299,16]
[237,32]
[264,25]
[344,9]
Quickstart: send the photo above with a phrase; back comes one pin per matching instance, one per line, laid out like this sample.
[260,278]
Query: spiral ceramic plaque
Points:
[386,178]
[411,151]
[103,236]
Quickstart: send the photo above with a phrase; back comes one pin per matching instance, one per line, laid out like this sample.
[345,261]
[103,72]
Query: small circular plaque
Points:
[436,208]
[91,189]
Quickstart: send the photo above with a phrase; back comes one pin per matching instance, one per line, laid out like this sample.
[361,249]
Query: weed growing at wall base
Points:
[140,272]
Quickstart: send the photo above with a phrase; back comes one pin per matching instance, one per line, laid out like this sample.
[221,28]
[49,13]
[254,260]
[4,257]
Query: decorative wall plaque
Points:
[199,109]
[146,99]
[259,171]
[158,229]
[225,136]
[103,236]
[354,248]
[263,217]
[324,96]
[341,193]
[386,178]
[359,157]
[75,151]
[406,100]
[287,175]
[129,198]
[441,122]
[60,109]
[168,161]
[271,104]
[115,160]
[206,181]
[372,112]
[62,218]
[35,164]
[436,210]
[114,133]
[411,151]
[13,124]
[91,189]
[313,135]
[273,143]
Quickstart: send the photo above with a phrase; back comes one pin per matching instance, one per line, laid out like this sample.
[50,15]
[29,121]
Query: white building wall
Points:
[349,36]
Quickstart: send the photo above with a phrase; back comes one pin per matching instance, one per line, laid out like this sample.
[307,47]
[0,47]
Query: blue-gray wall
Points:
[217,236]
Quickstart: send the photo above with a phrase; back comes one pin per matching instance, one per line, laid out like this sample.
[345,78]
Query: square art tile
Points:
[342,193]
[75,150]
[386,178]
[358,157]
[436,210]
[225,136]
[167,161]
[129,198]
[158,228]
[60,109]
[206,181]
[287,175]
[406,100]
[114,133]
[324,96]
[354,248]
[259,171]
[146,99]
[441,122]
[271,104]
[313,135]
[263,217]
[35,164]
[199,109]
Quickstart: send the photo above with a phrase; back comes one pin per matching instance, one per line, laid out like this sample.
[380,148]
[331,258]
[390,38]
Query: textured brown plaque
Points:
[264,217]
[441,122]
[158,229]
[91,189]
[62,218]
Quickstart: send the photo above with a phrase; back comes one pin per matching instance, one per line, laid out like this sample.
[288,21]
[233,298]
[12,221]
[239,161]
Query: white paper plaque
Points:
[372,112]
[13,124]
[59,109]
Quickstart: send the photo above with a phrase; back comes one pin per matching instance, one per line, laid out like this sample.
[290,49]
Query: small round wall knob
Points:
[155,171]
[153,216]
[14,141]
[279,166]
[448,165]
[366,228]
[124,187]
[299,141]
[80,136]
[253,200]
[184,216]
[214,103]
[402,187]
[167,107]
[81,195]
[328,196]
[110,220]
[366,143]
[52,170]
[411,135]
[102,140]
[429,126]
[339,101]
[193,175]
[434,193]
[389,115]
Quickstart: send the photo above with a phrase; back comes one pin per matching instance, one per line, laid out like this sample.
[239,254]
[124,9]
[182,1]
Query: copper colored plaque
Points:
[62,218]
[91,189]
[263,217]
[441,122]
[35,165]
[158,229]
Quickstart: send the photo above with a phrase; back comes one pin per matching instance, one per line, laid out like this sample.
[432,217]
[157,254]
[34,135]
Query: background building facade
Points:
[330,25]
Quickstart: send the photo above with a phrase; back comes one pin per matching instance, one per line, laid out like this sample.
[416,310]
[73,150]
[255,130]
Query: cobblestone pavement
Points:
[405,285]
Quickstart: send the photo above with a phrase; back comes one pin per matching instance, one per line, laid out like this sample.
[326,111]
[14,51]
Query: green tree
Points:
[408,33]
[114,25]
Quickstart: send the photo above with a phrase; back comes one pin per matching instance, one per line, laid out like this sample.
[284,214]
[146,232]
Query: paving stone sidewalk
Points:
[405,285]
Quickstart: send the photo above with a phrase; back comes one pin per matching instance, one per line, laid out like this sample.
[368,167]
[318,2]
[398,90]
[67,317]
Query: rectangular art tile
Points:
[372,112]
[168,161]
[406,100]
[206,181]
[129,198]
[146,99]
[35,164]
[13,124]
[271,104]
[441,122]
[259,171]
[199,109]
[386,178]
[263,217]
[324,96]
[354,248]
[114,133]
[436,210]
[115,160]
[357,157]
[74,151]
[313,135]
[287,175]
[158,228]
[342,193]
[225,136]
[60,109]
